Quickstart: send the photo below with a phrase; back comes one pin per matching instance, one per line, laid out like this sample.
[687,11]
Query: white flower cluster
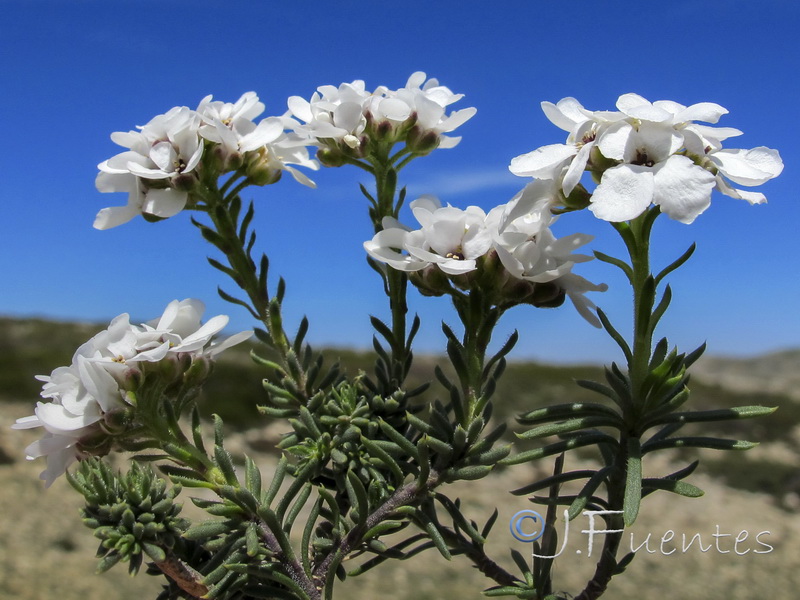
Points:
[648,153]
[517,233]
[164,156]
[344,114]
[82,395]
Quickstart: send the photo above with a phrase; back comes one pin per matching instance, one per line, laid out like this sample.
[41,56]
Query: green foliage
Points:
[133,514]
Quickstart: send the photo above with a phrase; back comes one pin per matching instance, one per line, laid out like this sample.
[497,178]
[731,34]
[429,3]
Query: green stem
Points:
[397,281]
[637,240]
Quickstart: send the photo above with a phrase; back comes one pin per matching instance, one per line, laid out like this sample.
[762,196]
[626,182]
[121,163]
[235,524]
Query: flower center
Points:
[642,159]
[455,255]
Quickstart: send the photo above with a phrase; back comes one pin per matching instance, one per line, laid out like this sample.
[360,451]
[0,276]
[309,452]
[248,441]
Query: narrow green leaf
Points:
[469,473]
[568,411]
[615,335]
[682,488]
[587,492]
[698,442]
[223,460]
[308,530]
[398,438]
[277,480]
[579,441]
[357,495]
[570,425]
[206,530]
[436,538]
[252,477]
[724,414]
[622,265]
[659,311]
[552,480]
[385,458]
[676,264]
[633,483]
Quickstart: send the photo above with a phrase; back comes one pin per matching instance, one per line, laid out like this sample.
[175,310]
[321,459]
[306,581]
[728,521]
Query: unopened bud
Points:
[430,281]
[421,142]
[330,157]
[132,379]
[184,182]
[578,199]
[517,290]
[384,130]
[258,168]
[117,420]
[233,162]
[547,295]
[96,443]
[197,373]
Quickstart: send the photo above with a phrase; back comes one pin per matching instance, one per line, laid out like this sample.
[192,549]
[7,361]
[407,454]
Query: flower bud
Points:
[132,379]
[233,162]
[198,372]
[96,443]
[517,290]
[214,158]
[184,182]
[258,169]
[384,131]
[330,157]
[578,199]
[547,295]
[173,366]
[430,281]
[117,420]
[421,142]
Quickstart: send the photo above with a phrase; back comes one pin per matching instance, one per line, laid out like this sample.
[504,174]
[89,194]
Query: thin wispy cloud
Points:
[467,183]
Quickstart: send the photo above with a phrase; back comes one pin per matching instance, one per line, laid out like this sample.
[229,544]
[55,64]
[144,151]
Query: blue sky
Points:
[75,71]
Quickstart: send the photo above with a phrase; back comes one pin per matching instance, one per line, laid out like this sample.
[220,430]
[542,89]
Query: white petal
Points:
[683,189]
[624,193]
[576,168]
[703,111]
[637,107]
[614,141]
[751,197]
[114,216]
[748,167]
[542,162]
[232,340]
[567,113]
[164,203]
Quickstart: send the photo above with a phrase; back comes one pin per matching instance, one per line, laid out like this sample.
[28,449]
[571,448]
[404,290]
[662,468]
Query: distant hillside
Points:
[33,346]
[776,372]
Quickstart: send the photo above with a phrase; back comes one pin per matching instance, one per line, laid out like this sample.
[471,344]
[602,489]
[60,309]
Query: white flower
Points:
[662,157]
[343,114]
[332,112]
[525,244]
[650,172]
[584,127]
[94,384]
[451,238]
[231,125]
[427,101]
[167,146]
